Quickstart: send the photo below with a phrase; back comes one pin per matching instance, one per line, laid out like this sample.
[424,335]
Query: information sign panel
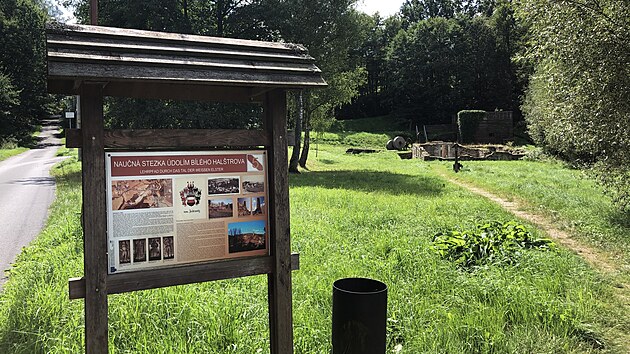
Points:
[174,208]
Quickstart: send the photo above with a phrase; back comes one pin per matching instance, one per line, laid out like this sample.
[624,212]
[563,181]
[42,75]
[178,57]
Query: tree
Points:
[329,29]
[440,66]
[9,100]
[578,100]
[417,10]
[374,35]
[22,67]
[438,57]
[319,110]
[298,113]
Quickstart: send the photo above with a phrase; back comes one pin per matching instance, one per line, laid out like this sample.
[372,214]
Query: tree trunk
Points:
[307,143]
[220,17]
[293,162]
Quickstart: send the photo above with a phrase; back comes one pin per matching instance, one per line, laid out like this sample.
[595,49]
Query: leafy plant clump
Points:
[493,242]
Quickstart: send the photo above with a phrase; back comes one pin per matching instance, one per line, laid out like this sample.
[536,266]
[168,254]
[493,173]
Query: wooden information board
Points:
[127,171]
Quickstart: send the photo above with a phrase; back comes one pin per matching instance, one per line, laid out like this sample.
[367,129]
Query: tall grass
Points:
[351,215]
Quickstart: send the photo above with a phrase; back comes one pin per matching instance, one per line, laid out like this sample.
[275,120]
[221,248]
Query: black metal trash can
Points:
[359,316]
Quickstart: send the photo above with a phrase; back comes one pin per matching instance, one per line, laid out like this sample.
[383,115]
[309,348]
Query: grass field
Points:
[372,125]
[572,200]
[351,215]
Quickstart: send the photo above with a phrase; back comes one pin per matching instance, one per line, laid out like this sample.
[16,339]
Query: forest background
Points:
[562,66]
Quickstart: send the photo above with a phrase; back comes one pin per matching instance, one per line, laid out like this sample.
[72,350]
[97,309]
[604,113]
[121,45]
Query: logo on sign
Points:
[190,195]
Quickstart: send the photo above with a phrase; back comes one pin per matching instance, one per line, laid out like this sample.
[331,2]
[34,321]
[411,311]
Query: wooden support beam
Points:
[163,90]
[94,218]
[181,91]
[179,138]
[158,278]
[279,282]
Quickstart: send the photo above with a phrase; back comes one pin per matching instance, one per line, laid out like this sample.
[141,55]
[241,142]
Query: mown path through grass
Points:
[598,259]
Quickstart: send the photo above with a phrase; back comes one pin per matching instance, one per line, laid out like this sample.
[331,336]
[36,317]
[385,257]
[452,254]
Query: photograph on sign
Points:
[174,208]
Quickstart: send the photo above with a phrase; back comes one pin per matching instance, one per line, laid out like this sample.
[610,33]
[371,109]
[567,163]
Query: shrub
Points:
[488,243]
[467,123]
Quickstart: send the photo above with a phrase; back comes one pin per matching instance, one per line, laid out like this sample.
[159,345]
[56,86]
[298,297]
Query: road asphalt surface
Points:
[26,191]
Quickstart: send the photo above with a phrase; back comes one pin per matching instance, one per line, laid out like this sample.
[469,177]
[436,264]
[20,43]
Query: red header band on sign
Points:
[123,166]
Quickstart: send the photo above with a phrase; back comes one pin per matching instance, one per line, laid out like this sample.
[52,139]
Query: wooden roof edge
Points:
[103,31]
[316,82]
[177,90]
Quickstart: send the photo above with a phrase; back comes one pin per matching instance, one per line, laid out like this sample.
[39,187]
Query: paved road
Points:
[26,191]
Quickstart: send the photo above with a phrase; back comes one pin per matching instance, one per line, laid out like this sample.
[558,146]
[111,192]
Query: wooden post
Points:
[94,12]
[94,218]
[279,281]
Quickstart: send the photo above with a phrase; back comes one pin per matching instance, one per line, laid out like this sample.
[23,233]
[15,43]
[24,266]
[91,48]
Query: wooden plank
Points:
[155,59]
[157,278]
[62,87]
[178,138]
[180,91]
[163,90]
[184,138]
[94,218]
[279,282]
[105,71]
[74,138]
[64,43]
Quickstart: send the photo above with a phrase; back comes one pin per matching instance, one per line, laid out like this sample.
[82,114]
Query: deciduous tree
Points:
[22,66]
[578,102]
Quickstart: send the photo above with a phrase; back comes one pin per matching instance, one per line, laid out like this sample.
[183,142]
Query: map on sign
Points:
[173,208]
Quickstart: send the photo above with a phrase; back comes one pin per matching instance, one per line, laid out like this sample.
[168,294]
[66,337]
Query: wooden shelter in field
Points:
[94,62]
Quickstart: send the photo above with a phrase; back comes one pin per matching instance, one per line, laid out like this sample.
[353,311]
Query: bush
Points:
[8,143]
[467,123]
[489,243]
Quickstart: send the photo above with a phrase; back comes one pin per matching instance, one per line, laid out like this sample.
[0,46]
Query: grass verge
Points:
[6,153]
[352,215]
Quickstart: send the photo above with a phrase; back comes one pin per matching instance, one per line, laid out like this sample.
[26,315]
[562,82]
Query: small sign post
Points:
[70,116]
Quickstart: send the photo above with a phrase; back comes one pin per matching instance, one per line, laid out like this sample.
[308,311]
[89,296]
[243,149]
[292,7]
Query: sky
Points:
[66,14]
[385,7]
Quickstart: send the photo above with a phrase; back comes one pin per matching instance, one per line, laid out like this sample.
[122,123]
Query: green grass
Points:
[372,124]
[360,140]
[370,215]
[573,201]
[376,141]
[6,153]
[65,151]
